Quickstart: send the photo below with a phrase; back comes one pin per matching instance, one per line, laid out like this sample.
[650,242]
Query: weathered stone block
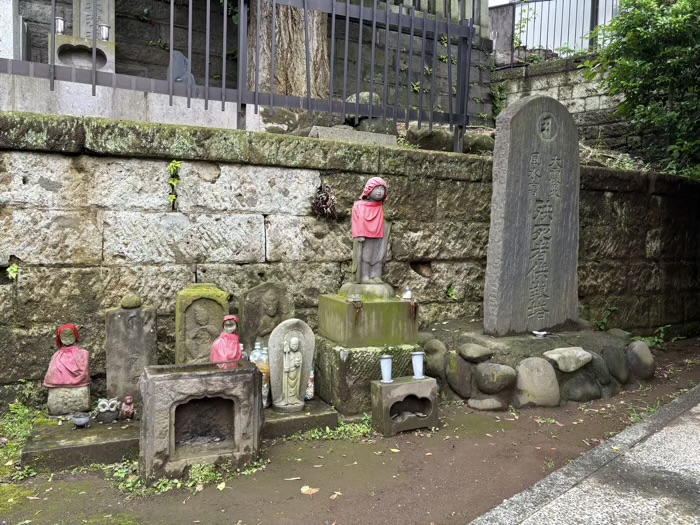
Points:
[243,188]
[68,400]
[463,201]
[432,281]
[369,323]
[458,372]
[162,238]
[199,317]
[536,383]
[342,375]
[199,414]
[27,131]
[57,237]
[306,239]
[405,404]
[420,241]
[531,281]
[131,345]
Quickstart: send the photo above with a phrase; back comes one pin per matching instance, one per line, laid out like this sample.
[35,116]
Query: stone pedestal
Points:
[370,322]
[64,401]
[342,375]
[405,404]
[199,316]
[199,414]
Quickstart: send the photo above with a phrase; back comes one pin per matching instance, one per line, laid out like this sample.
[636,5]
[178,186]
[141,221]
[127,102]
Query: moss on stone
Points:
[29,131]
[13,496]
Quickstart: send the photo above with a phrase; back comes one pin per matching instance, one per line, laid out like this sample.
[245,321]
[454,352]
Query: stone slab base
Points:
[316,414]
[54,447]
[368,323]
[405,404]
[64,401]
[342,375]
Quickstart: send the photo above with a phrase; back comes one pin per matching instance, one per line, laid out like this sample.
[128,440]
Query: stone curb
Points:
[521,506]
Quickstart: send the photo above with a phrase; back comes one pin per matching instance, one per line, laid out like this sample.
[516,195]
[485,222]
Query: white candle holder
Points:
[103,32]
[407,294]
[385,362]
[60,25]
[417,360]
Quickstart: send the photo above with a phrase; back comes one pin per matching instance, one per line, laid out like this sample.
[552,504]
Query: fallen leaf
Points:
[10,463]
[336,494]
[199,488]
[221,486]
[308,490]
[32,497]
[292,479]
[429,454]
[351,464]
[394,450]
[79,493]
[616,448]
[559,424]
[317,466]
[379,453]
[489,435]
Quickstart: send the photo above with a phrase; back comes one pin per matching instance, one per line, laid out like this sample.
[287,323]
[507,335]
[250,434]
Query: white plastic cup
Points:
[385,362]
[417,359]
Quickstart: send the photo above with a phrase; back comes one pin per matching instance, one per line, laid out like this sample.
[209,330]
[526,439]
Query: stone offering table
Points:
[405,404]
[201,413]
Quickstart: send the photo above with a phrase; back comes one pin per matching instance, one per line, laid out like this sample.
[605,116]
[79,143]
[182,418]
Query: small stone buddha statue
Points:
[227,346]
[292,373]
[370,233]
[68,376]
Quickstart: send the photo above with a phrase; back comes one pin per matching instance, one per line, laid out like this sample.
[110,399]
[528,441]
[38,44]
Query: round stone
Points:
[475,353]
[130,301]
[536,383]
[488,403]
[640,360]
[620,334]
[434,346]
[581,386]
[617,363]
[492,378]
[424,337]
[602,374]
[459,374]
[568,359]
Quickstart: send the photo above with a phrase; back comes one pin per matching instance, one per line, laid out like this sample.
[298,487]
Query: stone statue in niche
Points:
[370,233]
[227,346]
[127,411]
[68,376]
[262,309]
[200,331]
[291,348]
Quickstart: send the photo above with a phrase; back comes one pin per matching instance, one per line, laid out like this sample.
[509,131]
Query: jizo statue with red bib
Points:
[370,233]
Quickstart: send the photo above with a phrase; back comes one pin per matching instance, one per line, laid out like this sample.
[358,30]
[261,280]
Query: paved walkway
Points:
[647,474]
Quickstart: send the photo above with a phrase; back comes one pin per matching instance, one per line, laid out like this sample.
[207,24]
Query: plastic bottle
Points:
[255,354]
[263,364]
[244,354]
[310,386]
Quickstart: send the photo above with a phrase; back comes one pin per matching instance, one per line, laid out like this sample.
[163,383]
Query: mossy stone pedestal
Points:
[370,322]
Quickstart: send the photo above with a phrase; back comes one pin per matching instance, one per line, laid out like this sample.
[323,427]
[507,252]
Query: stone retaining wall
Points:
[84,212]
[590,107]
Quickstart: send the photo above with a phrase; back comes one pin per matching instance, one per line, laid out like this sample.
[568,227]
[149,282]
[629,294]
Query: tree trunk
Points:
[290,51]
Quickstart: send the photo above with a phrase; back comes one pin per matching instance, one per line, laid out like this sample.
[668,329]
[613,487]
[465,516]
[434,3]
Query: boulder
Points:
[488,403]
[617,363]
[600,369]
[640,360]
[459,374]
[536,383]
[492,378]
[377,125]
[621,334]
[580,386]
[434,346]
[435,356]
[424,337]
[364,98]
[475,353]
[610,390]
[568,359]
[476,143]
[436,139]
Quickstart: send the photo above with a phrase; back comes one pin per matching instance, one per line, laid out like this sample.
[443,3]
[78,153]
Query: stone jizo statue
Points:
[70,365]
[370,233]
[291,348]
[202,334]
[292,372]
[227,346]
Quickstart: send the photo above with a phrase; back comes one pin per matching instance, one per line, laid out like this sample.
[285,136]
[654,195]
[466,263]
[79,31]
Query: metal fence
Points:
[531,31]
[406,81]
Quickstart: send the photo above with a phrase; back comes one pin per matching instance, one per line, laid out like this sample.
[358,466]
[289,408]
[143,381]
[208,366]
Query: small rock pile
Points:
[560,375]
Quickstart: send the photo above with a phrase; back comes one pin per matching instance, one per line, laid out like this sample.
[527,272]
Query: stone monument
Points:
[131,345]
[365,319]
[68,376]
[199,315]
[291,348]
[531,281]
[76,49]
[262,309]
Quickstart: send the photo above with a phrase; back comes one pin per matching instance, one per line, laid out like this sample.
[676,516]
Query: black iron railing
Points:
[531,31]
[396,52]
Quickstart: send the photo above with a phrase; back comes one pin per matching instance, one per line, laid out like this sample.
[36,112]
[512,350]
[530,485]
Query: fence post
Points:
[463,66]
[242,61]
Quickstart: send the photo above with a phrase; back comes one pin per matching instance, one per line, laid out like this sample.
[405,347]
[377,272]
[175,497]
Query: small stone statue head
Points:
[201,316]
[294,344]
[67,335]
[230,324]
[128,400]
[270,303]
[375,190]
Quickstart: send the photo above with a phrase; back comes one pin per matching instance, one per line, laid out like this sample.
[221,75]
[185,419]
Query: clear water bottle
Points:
[255,354]
[244,354]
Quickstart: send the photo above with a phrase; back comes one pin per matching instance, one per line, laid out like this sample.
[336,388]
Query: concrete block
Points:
[405,404]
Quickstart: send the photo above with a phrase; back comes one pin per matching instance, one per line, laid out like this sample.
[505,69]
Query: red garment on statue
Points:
[227,347]
[69,368]
[368,220]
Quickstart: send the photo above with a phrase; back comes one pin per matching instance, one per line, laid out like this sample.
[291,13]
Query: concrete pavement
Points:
[647,474]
